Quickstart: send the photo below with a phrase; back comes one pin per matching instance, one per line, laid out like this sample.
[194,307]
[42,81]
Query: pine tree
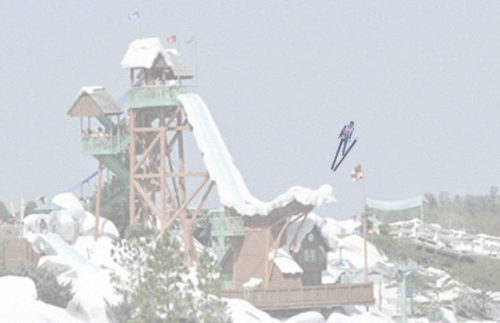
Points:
[4,213]
[130,256]
[158,288]
[29,208]
[209,306]
[165,292]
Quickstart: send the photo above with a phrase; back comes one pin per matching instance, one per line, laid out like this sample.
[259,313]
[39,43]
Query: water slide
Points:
[232,190]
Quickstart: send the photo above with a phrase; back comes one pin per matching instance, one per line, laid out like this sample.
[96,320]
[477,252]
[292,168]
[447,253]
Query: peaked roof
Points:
[142,53]
[94,101]
[175,62]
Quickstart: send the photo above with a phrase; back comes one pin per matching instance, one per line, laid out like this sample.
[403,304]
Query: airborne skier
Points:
[346,134]
[344,137]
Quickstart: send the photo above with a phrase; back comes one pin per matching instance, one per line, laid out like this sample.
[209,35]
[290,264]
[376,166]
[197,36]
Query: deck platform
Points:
[311,297]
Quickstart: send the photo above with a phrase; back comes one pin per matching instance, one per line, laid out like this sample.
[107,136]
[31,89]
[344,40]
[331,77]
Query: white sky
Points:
[420,78]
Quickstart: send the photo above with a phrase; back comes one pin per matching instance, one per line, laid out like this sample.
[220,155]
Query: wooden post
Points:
[98,200]
[162,169]
[364,230]
[268,250]
[131,167]
[380,294]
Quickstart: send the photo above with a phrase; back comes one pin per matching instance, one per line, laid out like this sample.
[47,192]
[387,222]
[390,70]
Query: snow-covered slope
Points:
[18,304]
[232,190]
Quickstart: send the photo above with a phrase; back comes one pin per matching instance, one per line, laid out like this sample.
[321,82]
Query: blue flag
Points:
[134,16]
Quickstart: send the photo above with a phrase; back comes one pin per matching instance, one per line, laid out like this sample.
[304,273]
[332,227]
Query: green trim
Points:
[104,145]
[155,96]
[223,226]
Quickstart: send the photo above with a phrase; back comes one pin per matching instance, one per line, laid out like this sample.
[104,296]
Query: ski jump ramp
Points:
[233,193]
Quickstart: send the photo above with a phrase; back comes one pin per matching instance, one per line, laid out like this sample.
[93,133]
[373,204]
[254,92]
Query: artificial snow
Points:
[365,317]
[106,227]
[252,282]
[70,222]
[141,53]
[243,311]
[232,190]
[19,288]
[19,304]
[351,248]
[90,89]
[69,202]
[307,317]
[284,261]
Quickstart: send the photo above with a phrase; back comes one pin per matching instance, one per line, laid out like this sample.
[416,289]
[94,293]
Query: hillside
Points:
[471,213]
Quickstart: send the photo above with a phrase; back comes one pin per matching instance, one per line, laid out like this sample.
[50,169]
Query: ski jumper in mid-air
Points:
[344,137]
[346,134]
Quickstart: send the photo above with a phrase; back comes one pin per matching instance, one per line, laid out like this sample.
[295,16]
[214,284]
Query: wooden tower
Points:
[159,193]
[145,149]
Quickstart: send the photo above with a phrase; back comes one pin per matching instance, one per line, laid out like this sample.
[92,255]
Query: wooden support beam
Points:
[185,203]
[275,245]
[148,150]
[98,200]
[146,199]
[171,168]
[131,166]
[294,239]
[167,175]
[200,205]
[163,197]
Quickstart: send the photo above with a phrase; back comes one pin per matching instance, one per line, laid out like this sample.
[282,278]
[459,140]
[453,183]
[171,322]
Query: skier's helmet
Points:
[351,123]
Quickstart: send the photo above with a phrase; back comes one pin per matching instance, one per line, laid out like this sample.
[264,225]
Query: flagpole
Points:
[140,26]
[196,59]
[364,228]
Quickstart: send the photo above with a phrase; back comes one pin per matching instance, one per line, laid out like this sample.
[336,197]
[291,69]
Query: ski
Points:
[346,153]
[337,153]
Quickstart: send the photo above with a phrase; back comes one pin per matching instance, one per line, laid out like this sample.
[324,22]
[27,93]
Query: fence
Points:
[15,252]
[327,295]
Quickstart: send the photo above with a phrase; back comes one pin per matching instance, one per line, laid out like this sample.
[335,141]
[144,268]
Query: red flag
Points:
[357,173]
[172,39]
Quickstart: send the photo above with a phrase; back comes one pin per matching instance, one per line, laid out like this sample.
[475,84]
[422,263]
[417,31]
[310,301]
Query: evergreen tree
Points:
[165,292]
[158,288]
[4,213]
[130,256]
[210,307]
[29,208]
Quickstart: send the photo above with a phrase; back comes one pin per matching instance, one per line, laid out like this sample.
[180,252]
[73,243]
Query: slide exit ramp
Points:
[232,190]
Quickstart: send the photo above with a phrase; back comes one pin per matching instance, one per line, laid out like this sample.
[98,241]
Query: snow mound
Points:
[243,311]
[70,222]
[307,317]
[285,262]
[351,249]
[106,227]
[19,288]
[365,317]
[69,202]
[19,304]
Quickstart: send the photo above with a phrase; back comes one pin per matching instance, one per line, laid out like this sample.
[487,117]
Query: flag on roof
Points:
[357,173]
[134,16]
[172,39]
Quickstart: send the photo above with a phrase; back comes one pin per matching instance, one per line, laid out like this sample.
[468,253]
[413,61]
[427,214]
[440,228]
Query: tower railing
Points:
[327,295]
[104,144]
[157,95]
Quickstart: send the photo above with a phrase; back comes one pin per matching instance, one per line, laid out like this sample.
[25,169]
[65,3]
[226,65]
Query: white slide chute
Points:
[233,193]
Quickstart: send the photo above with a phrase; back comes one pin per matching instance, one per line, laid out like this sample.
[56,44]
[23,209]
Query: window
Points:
[310,255]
